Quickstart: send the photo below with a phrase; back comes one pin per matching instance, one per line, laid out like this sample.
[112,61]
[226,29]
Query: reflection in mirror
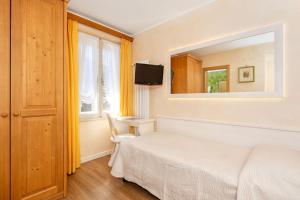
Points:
[216,79]
[243,65]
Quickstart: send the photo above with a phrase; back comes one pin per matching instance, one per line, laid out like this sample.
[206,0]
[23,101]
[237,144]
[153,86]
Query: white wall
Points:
[221,18]
[94,139]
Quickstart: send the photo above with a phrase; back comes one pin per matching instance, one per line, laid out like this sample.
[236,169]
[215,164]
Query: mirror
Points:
[246,63]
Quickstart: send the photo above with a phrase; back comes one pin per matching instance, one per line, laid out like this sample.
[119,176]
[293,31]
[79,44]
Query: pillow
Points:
[271,172]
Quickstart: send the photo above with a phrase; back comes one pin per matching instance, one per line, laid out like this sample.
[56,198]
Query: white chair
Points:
[116,138]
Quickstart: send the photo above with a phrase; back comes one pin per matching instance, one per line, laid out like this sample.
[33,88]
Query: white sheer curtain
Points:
[111,76]
[88,47]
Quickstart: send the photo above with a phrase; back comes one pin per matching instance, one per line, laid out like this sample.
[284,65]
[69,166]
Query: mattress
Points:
[172,166]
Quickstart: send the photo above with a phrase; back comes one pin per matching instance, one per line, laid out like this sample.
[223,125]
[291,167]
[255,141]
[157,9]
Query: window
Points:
[111,77]
[216,79]
[99,66]
[88,47]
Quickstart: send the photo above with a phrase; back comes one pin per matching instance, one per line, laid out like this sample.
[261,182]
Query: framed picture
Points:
[246,74]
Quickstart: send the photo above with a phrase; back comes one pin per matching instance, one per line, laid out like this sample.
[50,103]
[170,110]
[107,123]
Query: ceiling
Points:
[133,16]
[235,44]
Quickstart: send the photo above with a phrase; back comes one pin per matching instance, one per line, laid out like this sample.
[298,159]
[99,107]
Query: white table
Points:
[140,125]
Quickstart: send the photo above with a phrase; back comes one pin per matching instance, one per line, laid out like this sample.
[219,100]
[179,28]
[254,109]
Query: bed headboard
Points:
[237,134]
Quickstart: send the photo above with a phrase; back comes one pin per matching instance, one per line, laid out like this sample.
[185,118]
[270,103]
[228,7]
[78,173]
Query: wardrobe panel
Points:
[39,140]
[4,99]
[37,99]
[40,53]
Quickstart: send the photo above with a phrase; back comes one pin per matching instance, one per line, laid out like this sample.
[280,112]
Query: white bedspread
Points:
[271,173]
[175,167]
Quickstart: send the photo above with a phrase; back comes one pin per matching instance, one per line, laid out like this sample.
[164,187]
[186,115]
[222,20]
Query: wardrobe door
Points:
[37,56]
[4,99]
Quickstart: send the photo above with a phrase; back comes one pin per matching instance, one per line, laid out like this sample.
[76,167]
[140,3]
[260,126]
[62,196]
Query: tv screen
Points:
[146,74]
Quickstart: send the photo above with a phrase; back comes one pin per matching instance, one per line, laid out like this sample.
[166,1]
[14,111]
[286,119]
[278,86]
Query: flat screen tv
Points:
[146,74]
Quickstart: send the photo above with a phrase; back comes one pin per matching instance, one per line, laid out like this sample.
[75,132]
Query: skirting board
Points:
[95,156]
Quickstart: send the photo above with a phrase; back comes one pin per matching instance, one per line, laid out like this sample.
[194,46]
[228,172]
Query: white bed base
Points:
[243,135]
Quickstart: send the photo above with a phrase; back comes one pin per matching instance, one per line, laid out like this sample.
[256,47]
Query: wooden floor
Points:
[94,182]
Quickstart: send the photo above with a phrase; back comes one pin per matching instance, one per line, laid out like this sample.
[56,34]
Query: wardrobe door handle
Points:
[4,115]
[16,114]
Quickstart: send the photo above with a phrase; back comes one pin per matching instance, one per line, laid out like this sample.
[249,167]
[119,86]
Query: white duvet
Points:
[180,167]
[270,173]
[176,167]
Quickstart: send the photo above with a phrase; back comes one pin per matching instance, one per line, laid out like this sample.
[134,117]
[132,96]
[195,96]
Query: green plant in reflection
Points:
[216,81]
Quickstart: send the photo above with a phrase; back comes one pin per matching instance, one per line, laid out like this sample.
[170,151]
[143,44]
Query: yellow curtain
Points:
[73,101]
[126,79]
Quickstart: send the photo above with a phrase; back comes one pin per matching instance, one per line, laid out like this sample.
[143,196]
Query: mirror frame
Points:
[278,92]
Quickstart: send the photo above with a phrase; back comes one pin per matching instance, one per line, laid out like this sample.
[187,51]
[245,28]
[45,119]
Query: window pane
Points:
[88,47]
[111,77]
[86,107]
[216,81]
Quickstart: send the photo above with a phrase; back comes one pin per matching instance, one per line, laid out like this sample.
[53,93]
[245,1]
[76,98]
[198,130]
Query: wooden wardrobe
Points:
[187,74]
[32,99]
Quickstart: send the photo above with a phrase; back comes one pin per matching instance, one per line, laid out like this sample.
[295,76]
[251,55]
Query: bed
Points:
[184,166]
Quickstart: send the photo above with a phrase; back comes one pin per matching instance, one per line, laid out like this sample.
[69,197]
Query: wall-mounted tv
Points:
[146,74]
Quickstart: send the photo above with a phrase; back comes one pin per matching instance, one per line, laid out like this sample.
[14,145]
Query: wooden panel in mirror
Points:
[186,74]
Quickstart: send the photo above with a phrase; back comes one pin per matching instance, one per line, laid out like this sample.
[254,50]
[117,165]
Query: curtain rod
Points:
[98,26]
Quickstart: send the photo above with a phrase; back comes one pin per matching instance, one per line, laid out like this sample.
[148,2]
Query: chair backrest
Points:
[113,130]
